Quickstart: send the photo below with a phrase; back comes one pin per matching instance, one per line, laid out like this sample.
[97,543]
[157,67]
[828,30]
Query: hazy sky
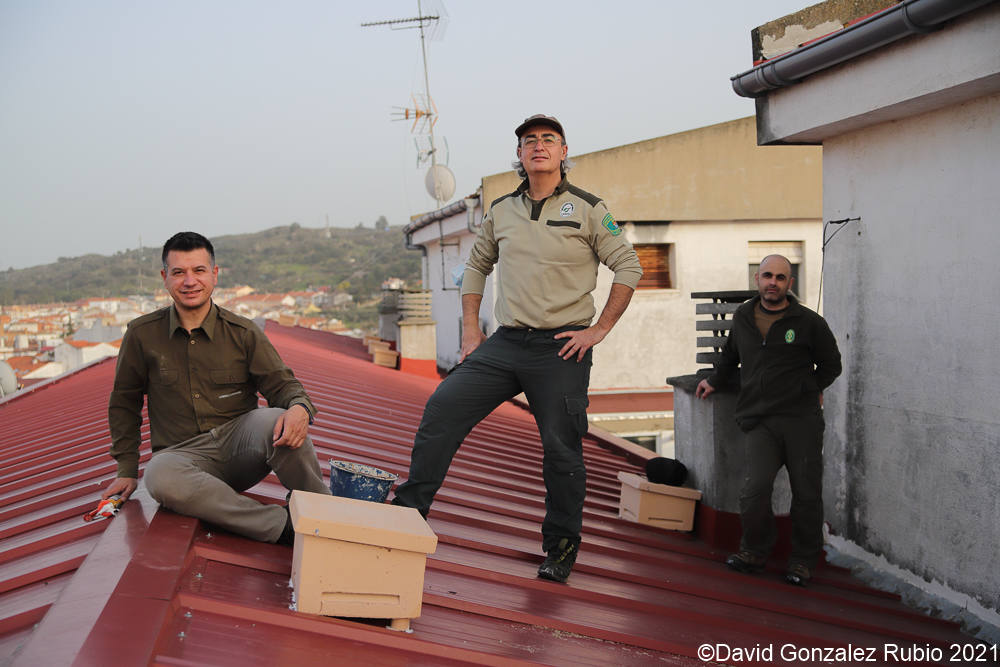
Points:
[122,119]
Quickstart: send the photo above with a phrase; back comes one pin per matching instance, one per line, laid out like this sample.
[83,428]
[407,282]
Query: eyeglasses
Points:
[548,140]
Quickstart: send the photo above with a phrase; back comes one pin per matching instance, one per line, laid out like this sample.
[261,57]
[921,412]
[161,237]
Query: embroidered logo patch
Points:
[567,209]
[790,335]
[612,226]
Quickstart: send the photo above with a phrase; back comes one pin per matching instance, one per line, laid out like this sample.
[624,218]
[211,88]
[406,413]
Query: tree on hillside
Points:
[381,224]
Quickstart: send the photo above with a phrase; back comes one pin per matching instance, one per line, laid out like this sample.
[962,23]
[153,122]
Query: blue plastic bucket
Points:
[359,481]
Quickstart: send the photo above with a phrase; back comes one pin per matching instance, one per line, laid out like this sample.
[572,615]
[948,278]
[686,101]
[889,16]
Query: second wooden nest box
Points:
[658,505]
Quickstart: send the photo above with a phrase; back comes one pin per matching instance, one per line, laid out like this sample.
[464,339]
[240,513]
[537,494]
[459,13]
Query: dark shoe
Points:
[559,563]
[746,562]
[798,574]
[287,536]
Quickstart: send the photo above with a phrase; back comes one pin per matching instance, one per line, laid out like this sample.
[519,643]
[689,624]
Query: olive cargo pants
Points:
[795,442]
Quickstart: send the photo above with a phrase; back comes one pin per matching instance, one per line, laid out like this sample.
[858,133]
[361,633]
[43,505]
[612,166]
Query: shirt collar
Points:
[207,325]
[522,189]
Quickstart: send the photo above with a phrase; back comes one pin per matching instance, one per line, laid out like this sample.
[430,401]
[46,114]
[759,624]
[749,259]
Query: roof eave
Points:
[910,17]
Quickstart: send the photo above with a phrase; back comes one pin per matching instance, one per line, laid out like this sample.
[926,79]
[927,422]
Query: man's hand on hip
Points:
[472,337]
[580,341]
[292,427]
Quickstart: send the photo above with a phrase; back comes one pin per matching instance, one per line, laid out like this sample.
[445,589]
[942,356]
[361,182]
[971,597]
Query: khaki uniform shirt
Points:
[548,252]
[194,382]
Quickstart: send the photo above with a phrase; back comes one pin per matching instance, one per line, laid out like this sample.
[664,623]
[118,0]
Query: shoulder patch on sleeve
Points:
[591,199]
[609,223]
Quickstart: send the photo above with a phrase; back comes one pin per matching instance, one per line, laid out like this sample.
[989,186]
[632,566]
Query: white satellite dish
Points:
[440,182]
[8,380]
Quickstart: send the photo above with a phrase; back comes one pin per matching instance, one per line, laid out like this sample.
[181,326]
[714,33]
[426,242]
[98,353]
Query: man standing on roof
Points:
[201,368]
[547,238]
[787,356]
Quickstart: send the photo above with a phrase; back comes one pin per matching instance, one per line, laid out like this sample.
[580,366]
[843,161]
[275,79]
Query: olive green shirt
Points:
[194,381]
[547,254]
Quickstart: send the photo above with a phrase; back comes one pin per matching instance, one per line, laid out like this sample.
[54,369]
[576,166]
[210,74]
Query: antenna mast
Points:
[426,116]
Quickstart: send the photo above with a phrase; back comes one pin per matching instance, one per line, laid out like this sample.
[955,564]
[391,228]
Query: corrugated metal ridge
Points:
[178,592]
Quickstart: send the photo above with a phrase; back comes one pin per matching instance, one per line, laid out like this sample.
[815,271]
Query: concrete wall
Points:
[708,441]
[910,137]
[913,426]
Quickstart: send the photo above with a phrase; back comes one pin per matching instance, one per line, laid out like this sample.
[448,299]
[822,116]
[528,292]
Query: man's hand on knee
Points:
[122,486]
[292,427]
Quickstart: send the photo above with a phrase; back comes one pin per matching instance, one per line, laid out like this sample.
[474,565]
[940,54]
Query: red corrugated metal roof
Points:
[151,586]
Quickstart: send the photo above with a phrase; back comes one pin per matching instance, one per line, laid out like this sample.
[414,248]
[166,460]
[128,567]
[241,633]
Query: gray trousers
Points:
[795,442]
[203,477]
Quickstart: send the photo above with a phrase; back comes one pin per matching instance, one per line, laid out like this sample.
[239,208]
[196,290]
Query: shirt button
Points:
[192,341]
[197,395]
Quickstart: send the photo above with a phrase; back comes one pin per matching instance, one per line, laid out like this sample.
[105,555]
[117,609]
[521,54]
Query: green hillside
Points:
[274,260]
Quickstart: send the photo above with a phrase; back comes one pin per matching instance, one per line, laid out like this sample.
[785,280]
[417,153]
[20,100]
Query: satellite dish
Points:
[8,381]
[440,182]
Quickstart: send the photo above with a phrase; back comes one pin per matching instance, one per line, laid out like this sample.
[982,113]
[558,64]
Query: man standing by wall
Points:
[787,356]
[547,237]
[201,368]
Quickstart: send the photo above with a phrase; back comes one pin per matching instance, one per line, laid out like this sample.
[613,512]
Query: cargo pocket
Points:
[576,407]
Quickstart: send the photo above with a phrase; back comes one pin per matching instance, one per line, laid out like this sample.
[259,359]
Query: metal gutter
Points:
[909,17]
[434,216]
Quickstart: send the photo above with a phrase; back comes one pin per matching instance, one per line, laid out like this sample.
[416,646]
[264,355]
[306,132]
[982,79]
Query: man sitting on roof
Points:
[201,368]
[547,237]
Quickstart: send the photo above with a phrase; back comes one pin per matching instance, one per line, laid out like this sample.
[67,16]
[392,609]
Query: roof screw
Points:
[198,576]
[180,635]
[208,536]
[187,615]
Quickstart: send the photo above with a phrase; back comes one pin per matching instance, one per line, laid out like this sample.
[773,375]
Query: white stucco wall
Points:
[446,306]
[655,338]
[913,424]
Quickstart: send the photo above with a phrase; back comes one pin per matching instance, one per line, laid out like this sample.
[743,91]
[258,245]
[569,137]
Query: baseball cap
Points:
[540,119]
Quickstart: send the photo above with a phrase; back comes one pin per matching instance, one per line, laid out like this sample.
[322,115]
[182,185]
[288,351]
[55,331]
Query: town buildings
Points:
[42,341]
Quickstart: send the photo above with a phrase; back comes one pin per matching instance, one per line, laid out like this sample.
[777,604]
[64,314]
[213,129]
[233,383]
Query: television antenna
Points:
[440,181]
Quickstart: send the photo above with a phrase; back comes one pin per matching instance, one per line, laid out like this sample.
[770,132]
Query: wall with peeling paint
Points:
[910,137]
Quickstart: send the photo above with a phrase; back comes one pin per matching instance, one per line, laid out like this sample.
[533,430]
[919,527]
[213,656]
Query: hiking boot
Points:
[798,574]
[746,562]
[559,562]
[287,537]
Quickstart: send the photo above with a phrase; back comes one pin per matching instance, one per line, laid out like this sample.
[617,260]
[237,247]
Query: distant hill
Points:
[275,260]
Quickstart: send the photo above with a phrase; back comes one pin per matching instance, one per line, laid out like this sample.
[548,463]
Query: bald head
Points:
[774,279]
[776,262]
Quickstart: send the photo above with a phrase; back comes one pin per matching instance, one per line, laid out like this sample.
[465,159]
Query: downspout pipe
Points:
[909,17]
[470,210]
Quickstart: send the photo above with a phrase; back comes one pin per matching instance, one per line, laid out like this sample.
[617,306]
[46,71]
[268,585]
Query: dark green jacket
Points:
[784,374]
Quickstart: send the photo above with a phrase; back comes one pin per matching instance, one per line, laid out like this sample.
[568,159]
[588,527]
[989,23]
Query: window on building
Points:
[657,260]
[647,441]
[758,250]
